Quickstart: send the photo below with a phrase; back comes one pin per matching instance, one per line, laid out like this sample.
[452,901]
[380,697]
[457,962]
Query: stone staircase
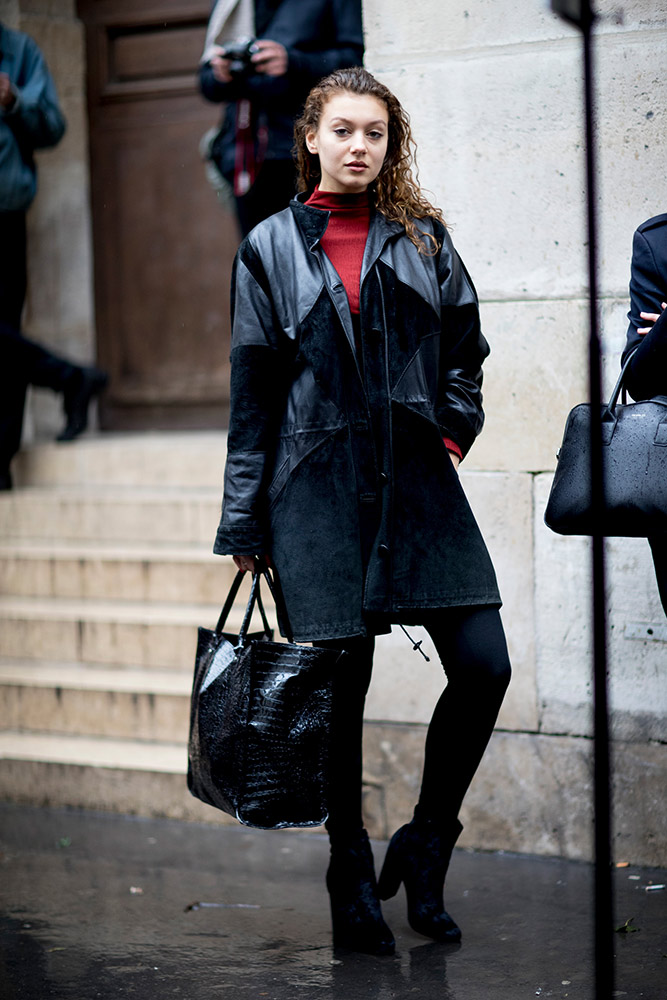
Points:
[106,570]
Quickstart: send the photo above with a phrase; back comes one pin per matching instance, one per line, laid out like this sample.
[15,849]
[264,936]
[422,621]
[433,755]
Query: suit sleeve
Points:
[258,389]
[463,349]
[648,290]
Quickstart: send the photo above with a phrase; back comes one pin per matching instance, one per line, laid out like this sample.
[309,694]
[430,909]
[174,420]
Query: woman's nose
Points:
[358,143]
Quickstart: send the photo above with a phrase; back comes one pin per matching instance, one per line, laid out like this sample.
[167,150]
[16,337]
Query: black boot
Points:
[355,908]
[418,855]
[84,384]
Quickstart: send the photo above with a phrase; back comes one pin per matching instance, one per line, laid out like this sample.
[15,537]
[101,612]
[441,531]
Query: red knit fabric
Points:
[344,241]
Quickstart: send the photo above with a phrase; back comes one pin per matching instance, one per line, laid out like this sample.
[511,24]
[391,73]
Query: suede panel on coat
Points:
[336,464]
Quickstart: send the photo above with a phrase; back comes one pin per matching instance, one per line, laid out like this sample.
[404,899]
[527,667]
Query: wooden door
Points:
[163,244]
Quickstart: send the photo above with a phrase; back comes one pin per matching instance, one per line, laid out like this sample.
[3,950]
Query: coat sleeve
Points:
[648,290]
[35,119]
[259,361]
[462,350]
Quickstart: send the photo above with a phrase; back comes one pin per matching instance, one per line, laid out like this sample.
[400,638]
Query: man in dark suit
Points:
[648,328]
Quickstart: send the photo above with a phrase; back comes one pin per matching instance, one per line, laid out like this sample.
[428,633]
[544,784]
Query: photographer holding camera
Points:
[261,58]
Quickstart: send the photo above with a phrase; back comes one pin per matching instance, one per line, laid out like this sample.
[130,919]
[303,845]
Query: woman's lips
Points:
[356,165]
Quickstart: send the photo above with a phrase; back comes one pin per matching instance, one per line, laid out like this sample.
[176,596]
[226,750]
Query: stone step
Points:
[85,772]
[162,459]
[31,568]
[77,699]
[136,634]
[97,514]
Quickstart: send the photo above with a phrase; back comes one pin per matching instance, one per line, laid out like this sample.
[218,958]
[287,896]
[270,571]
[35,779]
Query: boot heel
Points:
[391,877]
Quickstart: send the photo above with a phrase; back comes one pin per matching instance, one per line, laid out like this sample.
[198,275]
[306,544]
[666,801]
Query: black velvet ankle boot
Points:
[355,908]
[418,855]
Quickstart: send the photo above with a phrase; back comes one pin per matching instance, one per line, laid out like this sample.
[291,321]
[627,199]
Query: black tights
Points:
[471,645]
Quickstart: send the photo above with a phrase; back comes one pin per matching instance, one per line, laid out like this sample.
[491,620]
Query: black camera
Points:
[239,54]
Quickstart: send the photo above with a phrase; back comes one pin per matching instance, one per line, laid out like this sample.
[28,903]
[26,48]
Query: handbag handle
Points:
[255,597]
[279,601]
[609,417]
[621,378]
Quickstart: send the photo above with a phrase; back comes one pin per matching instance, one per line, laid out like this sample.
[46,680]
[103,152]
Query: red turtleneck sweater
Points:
[344,242]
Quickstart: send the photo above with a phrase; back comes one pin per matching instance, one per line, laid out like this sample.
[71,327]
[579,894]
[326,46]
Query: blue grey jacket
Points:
[336,464]
[34,122]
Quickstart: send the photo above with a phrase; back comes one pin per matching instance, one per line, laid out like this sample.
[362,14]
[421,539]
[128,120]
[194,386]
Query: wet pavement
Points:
[105,906]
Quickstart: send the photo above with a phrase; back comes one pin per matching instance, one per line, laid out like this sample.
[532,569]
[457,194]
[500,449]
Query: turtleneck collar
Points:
[350,204]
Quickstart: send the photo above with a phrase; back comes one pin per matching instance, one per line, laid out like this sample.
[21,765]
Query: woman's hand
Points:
[247,563]
[271,58]
[652,318]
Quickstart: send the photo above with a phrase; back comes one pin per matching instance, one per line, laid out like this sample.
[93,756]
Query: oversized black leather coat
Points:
[336,464]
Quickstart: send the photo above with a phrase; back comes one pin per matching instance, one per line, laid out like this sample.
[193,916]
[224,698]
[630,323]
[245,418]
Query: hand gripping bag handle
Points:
[255,597]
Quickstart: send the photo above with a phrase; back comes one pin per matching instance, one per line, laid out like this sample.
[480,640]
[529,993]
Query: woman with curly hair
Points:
[356,391]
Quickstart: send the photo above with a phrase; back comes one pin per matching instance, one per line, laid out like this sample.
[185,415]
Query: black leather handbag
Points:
[634,437]
[259,720]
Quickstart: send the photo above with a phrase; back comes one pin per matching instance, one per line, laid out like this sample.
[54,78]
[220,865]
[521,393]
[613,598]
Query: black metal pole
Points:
[604,918]
[580,13]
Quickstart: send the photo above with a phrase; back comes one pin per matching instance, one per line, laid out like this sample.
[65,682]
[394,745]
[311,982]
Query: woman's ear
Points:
[311,142]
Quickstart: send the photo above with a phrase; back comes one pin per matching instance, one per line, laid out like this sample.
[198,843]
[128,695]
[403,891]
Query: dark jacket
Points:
[648,290]
[35,120]
[336,464]
[320,36]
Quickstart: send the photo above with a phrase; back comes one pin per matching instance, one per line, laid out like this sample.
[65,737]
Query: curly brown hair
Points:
[396,191]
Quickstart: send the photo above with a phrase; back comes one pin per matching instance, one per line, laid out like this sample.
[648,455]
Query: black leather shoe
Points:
[356,916]
[84,385]
[418,856]
[5,480]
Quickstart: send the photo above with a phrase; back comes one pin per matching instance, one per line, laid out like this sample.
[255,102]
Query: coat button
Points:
[383,551]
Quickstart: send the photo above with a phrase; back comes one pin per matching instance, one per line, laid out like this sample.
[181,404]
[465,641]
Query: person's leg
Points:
[658,545]
[355,909]
[350,685]
[12,401]
[25,362]
[22,362]
[473,651]
[471,645]
[13,274]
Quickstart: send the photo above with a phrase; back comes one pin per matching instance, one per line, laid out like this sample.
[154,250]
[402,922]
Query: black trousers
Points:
[274,188]
[472,648]
[13,274]
[23,363]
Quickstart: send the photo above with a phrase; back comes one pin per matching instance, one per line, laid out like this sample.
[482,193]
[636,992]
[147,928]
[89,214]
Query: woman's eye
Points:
[375,135]
[340,131]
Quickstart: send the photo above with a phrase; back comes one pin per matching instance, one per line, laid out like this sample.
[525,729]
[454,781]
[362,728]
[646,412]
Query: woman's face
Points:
[351,142]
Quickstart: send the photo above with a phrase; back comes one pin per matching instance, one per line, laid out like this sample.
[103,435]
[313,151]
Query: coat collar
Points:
[313,223]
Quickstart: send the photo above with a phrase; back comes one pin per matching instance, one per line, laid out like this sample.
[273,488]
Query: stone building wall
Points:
[59,305]
[495,94]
